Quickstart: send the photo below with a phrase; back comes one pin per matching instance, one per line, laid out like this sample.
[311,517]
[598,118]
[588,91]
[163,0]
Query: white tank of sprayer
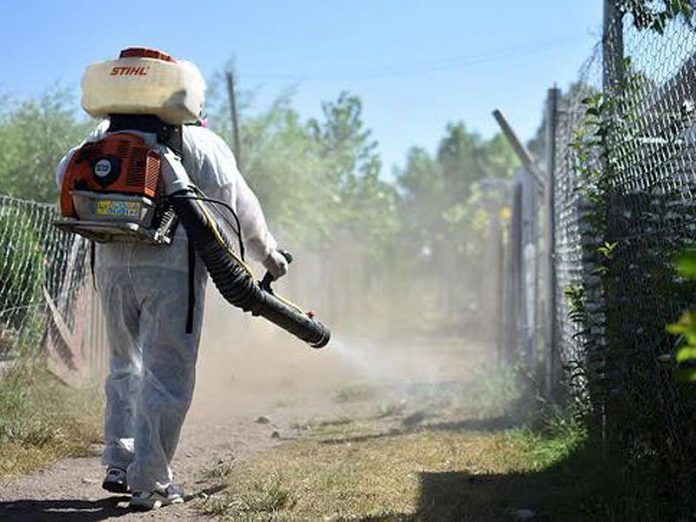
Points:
[144,81]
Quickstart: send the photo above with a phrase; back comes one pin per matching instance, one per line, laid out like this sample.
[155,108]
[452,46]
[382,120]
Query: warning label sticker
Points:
[111,208]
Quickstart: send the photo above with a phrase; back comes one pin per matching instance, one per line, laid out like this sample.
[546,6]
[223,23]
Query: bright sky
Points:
[417,64]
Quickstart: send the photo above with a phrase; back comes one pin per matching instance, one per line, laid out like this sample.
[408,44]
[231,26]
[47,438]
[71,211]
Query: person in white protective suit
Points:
[144,291]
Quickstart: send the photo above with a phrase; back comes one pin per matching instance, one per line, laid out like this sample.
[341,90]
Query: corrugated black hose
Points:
[213,241]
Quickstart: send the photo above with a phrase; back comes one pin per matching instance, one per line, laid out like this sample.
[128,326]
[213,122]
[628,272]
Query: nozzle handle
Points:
[268,277]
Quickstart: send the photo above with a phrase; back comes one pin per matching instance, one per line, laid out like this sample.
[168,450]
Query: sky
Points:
[416,65]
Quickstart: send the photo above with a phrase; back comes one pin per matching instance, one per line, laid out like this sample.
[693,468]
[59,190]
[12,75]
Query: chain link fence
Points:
[617,205]
[48,308]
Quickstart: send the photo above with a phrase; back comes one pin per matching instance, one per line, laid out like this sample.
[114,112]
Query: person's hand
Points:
[276,264]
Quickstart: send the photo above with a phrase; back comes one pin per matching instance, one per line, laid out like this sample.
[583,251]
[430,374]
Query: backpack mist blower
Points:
[120,188]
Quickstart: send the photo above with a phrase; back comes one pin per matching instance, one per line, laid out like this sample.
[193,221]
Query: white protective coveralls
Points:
[144,295]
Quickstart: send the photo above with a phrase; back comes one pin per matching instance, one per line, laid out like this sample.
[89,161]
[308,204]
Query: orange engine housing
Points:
[118,163]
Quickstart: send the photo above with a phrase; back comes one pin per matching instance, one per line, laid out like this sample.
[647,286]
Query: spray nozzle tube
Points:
[232,277]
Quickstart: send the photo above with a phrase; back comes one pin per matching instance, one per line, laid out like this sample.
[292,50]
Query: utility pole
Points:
[235,119]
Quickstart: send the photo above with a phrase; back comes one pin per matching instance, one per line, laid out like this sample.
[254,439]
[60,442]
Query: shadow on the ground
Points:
[412,425]
[458,496]
[585,487]
[433,414]
[75,510]
[65,509]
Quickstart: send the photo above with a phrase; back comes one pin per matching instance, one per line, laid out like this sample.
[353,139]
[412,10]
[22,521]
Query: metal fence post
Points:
[550,347]
[612,48]
[515,310]
[530,181]
[499,260]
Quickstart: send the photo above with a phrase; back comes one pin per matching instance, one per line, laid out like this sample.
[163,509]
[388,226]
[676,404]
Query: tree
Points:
[441,194]
[35,134]
[369,204]
[343,139]
[460,156]
[446,213]
[318,179]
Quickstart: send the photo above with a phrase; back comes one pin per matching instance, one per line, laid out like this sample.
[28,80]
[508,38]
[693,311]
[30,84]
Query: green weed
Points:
[219,471]
[262,499]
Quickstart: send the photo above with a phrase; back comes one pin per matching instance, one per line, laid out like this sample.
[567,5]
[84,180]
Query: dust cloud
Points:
[390,349]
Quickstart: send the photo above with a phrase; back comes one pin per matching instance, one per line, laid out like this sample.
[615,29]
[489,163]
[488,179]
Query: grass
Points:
[363,470]
[41,421]
[481,448]
[559,439]
[219,471]
[265,498]
[384,476]
[370,468]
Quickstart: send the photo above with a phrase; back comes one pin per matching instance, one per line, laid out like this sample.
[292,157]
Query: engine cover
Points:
[119,163]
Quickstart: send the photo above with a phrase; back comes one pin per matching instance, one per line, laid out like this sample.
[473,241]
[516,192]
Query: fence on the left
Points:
[49,311]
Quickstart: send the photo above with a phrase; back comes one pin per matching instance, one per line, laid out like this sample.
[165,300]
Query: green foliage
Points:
[607,250]
[576,91]
[286,170]
[606,136]
[35,134]
[558,439]
[354,170]
[652,15]
[343,140]
[588,145]
[498,158]
[452,209]
[685,264]
[622,303]
[443,201]
[577,310]
[318,180]
[685,327]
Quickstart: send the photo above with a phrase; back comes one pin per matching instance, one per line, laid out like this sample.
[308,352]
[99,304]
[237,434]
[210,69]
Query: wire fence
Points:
[48,309]
[592,273]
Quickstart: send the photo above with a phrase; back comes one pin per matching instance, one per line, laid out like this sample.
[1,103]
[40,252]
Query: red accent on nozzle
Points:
[311,314]
[146,52]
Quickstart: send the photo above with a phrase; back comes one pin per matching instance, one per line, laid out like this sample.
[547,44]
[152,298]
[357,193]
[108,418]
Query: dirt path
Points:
[254,385]
[244,372]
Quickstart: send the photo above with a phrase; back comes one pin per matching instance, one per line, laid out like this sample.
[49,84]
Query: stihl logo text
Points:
[129,71]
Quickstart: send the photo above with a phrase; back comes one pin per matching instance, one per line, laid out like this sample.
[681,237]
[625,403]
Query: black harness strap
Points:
[172,137]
